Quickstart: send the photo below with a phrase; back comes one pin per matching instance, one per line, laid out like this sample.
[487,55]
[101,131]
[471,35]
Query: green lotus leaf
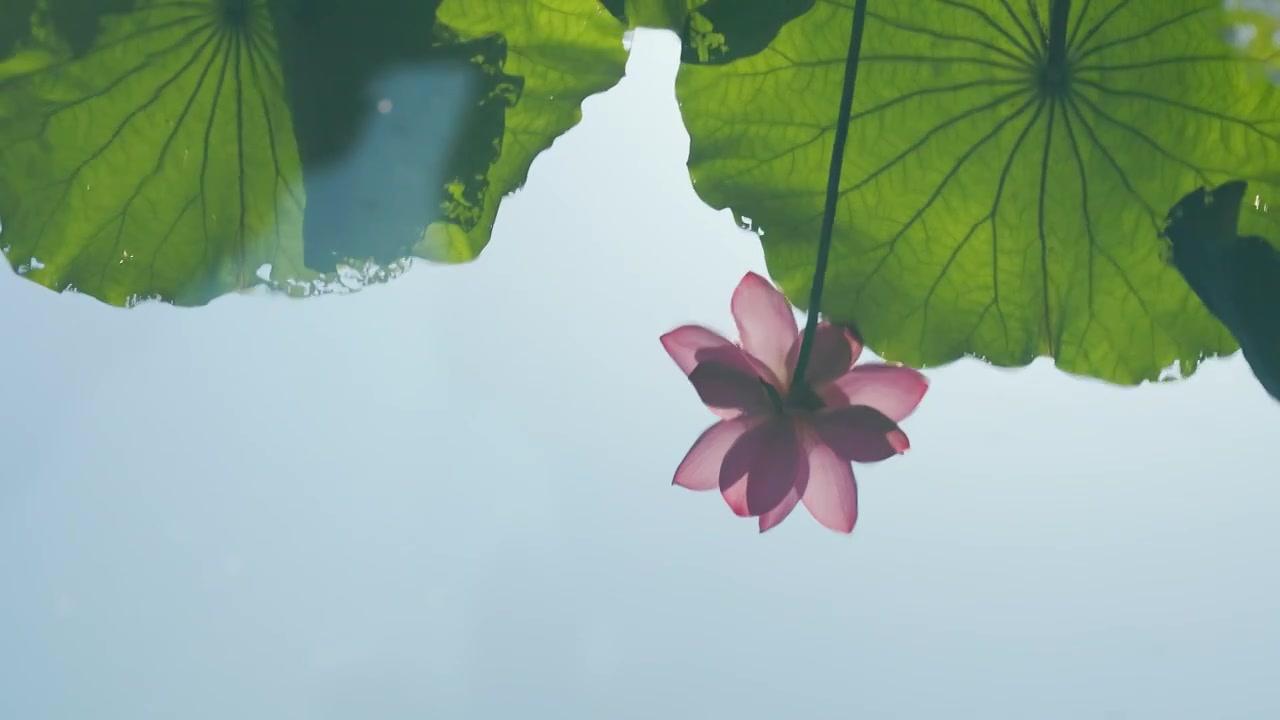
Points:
[562,51]
[184,149]
[159,164]
[1007,174]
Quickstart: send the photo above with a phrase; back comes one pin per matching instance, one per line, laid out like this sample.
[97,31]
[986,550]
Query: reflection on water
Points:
[374,180]
[382,189]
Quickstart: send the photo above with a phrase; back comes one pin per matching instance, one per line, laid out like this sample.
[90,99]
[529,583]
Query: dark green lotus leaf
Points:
[1236,276]
[15,19]
[663,14]
[721,31]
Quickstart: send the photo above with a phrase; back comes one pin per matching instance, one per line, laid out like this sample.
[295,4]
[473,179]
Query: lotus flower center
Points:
[235,13]
[801,399]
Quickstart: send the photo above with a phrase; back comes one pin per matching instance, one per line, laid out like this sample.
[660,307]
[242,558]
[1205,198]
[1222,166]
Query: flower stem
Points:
[1059,16]
[833,187]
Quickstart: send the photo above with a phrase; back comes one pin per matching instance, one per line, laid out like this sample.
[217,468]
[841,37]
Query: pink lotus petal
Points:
[764,464]
[723,386]
[780,513]
[736,497]
[894,390]
[832,493]
[854,339]
[831,357]
[860,434]
[734,469]
[700,469]
[690,344]
[898,439]
[765,322]
[684,343]
[779,466]
[737,357]
[855,333]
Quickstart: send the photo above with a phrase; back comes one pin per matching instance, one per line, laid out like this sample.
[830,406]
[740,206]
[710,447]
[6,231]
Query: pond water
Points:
[449,496]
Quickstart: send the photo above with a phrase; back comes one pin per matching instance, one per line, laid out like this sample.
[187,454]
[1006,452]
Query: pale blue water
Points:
[448,497]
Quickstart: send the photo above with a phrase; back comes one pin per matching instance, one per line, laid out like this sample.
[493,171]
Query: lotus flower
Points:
[779,442]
